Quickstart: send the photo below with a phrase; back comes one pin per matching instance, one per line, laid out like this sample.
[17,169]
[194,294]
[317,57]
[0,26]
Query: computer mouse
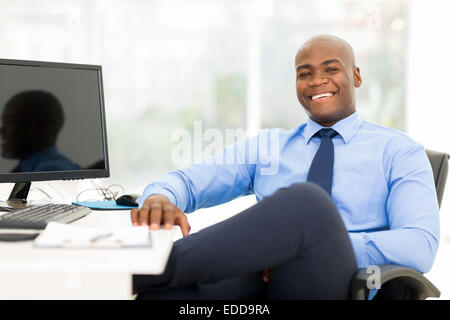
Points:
[127,200]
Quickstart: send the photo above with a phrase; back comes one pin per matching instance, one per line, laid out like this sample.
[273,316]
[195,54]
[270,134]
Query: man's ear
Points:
[357,77]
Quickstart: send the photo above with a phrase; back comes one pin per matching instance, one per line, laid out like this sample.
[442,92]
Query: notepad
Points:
[60,235]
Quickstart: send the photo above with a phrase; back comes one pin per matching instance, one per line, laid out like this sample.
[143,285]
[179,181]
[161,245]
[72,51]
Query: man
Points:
[376,202]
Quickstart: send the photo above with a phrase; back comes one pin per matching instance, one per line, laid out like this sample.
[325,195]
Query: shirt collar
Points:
[346,127]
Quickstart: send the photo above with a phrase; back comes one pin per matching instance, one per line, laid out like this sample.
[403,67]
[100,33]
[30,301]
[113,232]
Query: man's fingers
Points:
[168,214]
[159,210]
[134,213]
[266,274]
[155,217]
[182,221]
[143,215]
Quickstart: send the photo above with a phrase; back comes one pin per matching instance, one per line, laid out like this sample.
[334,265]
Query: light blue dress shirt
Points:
[382,185]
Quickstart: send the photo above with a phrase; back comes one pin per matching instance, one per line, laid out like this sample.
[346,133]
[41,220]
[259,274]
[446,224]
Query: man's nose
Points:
[318,80]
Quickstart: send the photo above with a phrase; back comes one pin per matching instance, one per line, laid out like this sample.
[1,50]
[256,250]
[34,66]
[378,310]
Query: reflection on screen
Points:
[50,119]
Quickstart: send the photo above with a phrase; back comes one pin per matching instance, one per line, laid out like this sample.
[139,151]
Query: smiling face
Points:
[326,78]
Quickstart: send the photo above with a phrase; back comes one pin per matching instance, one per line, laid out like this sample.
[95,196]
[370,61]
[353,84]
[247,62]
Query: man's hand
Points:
[158,210]
[266,275]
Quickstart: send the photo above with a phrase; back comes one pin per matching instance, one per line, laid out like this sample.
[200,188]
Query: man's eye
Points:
[303,74]
[332,69]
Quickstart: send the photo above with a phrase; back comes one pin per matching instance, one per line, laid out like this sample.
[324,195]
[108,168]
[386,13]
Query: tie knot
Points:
[329,133]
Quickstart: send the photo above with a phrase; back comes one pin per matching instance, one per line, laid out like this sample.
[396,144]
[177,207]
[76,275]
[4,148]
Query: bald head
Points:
[345,48]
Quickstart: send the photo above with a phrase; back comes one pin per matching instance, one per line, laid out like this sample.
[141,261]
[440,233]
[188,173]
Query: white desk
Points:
[31,273]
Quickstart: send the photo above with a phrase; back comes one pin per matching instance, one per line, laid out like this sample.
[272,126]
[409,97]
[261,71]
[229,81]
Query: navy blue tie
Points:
[321,170]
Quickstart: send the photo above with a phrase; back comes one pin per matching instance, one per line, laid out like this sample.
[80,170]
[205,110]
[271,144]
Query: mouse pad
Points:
[103,205]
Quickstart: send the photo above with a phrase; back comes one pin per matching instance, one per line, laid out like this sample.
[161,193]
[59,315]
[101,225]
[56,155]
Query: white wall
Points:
[428,107]
[428,103]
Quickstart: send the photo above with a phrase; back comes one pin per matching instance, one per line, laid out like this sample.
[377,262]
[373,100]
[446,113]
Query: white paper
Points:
[61,235]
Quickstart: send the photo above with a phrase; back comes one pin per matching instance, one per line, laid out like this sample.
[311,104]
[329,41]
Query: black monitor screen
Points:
[51,121]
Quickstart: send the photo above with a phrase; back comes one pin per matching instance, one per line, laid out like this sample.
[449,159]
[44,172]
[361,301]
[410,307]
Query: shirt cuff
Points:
[359,247]
[151,190]
[170,186]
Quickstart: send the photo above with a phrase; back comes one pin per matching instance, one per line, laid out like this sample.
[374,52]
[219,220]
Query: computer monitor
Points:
[52,123]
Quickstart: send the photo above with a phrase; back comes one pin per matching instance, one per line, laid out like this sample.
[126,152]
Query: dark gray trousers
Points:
[297,232]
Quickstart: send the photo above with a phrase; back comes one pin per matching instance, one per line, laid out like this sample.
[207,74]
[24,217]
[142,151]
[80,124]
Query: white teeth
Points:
[328,94]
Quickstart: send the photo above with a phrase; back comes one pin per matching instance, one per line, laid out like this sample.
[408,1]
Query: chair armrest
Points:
[421,286]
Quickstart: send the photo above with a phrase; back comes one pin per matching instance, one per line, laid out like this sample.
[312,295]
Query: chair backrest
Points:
[439,164]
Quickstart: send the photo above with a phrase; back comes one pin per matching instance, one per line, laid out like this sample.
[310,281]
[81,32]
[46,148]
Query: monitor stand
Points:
[19,194]
[18,198]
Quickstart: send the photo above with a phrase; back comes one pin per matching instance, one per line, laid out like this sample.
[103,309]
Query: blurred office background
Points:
[230,64]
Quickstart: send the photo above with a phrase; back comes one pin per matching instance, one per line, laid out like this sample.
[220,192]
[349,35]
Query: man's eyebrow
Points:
[332,61]
[326,62]
[304,66]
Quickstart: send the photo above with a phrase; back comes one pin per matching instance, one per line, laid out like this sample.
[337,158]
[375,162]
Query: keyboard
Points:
[37,216]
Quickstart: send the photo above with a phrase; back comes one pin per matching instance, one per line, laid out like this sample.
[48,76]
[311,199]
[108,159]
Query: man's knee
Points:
[307,189]
[304,193]
[304,200]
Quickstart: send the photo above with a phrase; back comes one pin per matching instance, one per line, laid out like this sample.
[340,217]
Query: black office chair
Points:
[400,283]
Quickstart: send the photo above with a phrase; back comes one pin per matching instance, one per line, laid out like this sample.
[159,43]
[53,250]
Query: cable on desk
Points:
[39,189]
[107,193]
